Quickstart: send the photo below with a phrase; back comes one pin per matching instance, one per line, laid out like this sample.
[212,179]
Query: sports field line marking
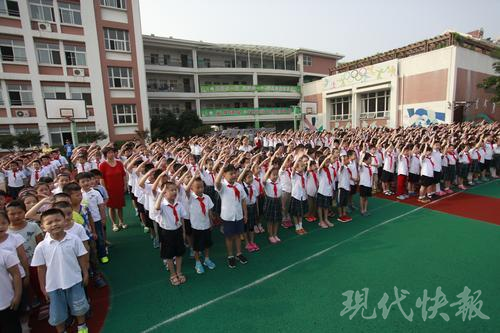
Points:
[271,275]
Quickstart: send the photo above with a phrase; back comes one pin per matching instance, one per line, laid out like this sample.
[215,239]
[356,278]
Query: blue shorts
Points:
[61,300]
[233,228]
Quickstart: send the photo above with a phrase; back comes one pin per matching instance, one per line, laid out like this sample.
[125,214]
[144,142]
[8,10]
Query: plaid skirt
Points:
[463,170]
[251,217]
[475,166]
[272,210]
[323,201]
[212,193]
[298,208]
[451,173]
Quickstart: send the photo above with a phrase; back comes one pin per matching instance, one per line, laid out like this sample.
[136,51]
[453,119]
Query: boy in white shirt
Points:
[325,191]
[427,174]
[233,212]
[15,179]
[344,188]
[403,171]
[62,269]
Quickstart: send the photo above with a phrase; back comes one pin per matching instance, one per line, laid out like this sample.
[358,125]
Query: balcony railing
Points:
[239,112]
[214,88]
[161,61]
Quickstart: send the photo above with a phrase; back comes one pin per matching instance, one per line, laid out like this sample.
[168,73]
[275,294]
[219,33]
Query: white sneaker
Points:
[401,197]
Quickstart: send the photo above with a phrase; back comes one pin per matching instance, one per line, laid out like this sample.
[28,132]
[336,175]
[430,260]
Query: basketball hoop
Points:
[68,118]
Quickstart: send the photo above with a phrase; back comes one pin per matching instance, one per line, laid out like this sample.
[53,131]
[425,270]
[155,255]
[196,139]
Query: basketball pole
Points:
[74,133]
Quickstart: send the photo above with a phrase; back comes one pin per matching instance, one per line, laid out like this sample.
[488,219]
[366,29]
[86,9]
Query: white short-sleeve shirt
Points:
[231,209]
[93,199]
[61,259]
[11,244]
[199,220]
[7,260]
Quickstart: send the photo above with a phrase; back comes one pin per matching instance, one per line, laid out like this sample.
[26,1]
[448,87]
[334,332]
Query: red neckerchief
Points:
[250,191]
[37,174]
[369,171]
[430,159]
[390,161]
[328,175]
[212,175]
[236,191]
[202,205]
[315,177]
[174,211]
[275,189]
[407,163]
[303,181]
[376,159]
[468,156]
[261,188]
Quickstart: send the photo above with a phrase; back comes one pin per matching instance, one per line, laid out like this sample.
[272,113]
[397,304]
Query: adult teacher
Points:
[113,178]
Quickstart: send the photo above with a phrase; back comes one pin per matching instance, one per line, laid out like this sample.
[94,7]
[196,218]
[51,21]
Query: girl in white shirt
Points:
[388,170]
[325,191]
[285,176]
[427,175]
[298,202]
[414,174]
[312,183]
[272,204]
[403,171]
[366,173]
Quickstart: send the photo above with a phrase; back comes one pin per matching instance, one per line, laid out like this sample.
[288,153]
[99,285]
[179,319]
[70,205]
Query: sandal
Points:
[174,280]
[115,228]
[182,278]
[123,226]
[323,225]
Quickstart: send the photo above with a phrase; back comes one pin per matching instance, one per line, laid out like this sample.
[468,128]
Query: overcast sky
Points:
[354,28]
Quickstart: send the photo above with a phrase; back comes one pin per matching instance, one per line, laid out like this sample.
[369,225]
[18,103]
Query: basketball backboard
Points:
[65,108]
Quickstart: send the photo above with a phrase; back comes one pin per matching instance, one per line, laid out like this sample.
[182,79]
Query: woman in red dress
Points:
[113,176]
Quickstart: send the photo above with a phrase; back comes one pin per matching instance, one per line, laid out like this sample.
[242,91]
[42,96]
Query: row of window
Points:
[21,94]
[373,105]
[43,10]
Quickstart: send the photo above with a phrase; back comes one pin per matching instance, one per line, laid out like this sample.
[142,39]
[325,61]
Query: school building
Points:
[235,85]
[90,51]
[429,82]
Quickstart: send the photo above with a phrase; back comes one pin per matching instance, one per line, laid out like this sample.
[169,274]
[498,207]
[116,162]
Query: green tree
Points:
[28,139]
[7,141]
[492,83]
[188,121]
[87,137]
[164,126]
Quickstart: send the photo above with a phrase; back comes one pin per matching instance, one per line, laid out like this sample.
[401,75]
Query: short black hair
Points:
[51,211]
[62,205]
[71,187]
[61,195]
[46,180]
[16,204]
[84,175]
[229,168]
[96,172]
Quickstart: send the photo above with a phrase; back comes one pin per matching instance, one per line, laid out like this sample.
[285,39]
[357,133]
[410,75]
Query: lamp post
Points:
[296,111]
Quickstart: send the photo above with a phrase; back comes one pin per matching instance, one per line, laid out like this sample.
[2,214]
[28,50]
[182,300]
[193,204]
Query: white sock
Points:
[297,226]
[438,187]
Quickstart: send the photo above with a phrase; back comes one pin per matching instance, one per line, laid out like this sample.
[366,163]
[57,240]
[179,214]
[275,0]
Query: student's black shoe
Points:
[231,262]
[241,258]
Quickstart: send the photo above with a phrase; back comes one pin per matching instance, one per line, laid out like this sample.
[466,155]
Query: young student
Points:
[62,254]
[35,172]
[450,173]
[366,173]
[312,184]
[61,179]
[170,221]
[298,202]
[272,203]
[403,172]
[15,179]
[69,225]
[326,187]
[233,212]
[352,168]
[426,174]
[251,191]
[146,182]
[258,174]
[344,187]
[200,207]
[285,175]
[464,162]
[10,292]
[436,156]
[93,200]
[388,170]
[414,173]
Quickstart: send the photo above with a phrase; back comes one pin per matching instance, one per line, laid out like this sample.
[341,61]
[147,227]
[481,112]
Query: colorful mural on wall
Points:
[381,71]
[423,117]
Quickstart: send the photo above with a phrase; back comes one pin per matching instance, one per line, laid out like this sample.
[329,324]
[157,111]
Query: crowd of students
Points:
[53,235]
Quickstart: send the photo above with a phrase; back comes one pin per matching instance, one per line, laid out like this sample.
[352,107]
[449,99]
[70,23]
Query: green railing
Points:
[214,88]
[238,112]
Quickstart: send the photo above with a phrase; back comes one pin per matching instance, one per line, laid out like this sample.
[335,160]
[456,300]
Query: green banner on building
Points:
[215,88]
[238,112]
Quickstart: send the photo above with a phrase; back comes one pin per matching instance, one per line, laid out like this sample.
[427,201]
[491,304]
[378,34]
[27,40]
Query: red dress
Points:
[114,182]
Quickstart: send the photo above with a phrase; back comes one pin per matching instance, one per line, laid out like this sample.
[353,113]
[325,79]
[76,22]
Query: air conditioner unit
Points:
[78,72]
[44,26]
[370,115]
[22,113]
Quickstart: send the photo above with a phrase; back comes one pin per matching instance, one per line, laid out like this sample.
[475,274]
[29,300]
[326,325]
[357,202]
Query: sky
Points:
[353,28]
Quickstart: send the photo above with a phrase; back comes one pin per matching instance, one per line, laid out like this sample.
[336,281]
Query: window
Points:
[9,7]
[116,40]
[227,63]
[48,53]
[166,59]
[70,13]
[12,50]
[120,77]
[1,100]
[124,114]
[341,108]
[308,60]
[54,92]
[81,93]
[114,3]
[20,130]
[20,94]
[206,62]
[375,104]
[75,55]
[42,10]
[155,58]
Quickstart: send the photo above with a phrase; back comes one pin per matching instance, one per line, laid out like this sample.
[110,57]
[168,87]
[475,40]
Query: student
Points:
[414,174]
[426,174]
[95,203]
[69,225]
[366,173]
[233,212]
[62,179]
[450,174]
[251,191]
[298,202]
[326,186]
[10,292]
[312,184]
[272,204]
[15,179]
[344,187]
[436,156]
[352,168]
[146,182]
[388,170]
[403,172]
[170,221]
[464,162]
[286,188]
[200,210]
[62,255]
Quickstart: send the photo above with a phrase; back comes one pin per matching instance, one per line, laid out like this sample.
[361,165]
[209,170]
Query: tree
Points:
[164,126]
[492,83]
[7,141]
[87,137]
[188,121]
[188,124]
[27,139]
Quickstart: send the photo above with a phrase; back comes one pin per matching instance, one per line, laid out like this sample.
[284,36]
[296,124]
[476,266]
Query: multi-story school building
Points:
[428,82]
[230,84]
[72,49]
